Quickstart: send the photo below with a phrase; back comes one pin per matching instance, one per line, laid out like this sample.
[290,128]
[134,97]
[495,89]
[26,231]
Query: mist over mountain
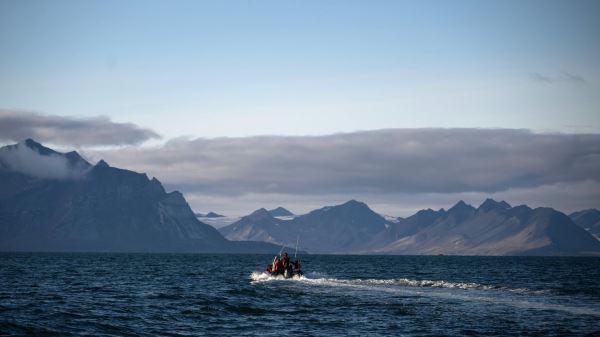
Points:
[52,201]
[494,228]
[35,160]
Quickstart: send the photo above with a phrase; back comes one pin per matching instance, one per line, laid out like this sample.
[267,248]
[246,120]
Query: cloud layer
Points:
[96,131]
[374,162]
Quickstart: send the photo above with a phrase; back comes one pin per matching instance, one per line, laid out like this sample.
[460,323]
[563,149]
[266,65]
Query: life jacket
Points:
[278,266]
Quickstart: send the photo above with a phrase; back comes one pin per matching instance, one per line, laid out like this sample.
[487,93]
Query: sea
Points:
[82,294]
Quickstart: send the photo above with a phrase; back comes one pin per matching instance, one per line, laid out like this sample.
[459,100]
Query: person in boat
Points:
[285,260]
[274,265]
[297,267]
[277,267]
[283,264]
[287,269]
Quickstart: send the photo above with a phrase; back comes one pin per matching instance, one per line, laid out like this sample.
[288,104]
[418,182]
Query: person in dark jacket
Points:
[285,260]
[297,267]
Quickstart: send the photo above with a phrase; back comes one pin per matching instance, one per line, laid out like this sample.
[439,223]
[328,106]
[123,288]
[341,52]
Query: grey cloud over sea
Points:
[96,131]
[371,162]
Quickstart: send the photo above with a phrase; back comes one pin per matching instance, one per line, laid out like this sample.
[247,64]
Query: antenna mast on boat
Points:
[296,252]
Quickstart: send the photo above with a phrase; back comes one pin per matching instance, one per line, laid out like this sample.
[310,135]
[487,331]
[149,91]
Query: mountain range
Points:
[52,201]
[493,228]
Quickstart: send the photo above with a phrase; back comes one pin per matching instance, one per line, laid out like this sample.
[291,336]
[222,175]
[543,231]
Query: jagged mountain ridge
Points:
[280,211]
[260,225]
[104,209]
[494,228]
[332,229]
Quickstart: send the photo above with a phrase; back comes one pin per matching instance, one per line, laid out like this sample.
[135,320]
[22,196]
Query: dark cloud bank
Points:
[373,162]
[96,131]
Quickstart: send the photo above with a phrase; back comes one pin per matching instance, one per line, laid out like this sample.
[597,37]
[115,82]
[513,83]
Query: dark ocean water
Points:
[195,295]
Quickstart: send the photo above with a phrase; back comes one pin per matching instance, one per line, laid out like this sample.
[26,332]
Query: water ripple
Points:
[216,295]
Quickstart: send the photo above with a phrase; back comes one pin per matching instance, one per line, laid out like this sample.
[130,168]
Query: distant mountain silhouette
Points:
[491,204]
[589,220]
[214,215]
[332,229]
[258,226]
[280,211]
[209,215]
[337,229]
[494,228]
[80,207]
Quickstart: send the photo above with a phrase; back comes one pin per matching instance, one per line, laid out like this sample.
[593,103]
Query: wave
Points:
[316,277]
[323,279]
[469,291]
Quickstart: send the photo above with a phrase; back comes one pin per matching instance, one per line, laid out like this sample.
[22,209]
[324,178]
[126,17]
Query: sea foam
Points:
[321,278]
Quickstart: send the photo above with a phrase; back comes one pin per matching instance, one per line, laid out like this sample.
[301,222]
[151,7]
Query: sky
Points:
[247,104]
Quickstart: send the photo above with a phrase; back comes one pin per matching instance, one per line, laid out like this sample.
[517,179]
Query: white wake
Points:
[469,292]
[320,278]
